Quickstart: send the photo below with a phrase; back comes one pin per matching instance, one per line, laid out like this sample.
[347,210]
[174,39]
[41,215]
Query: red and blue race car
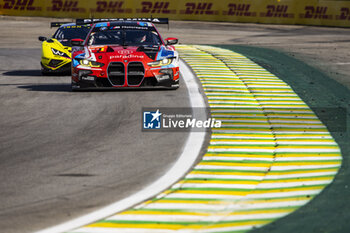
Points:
[124,53]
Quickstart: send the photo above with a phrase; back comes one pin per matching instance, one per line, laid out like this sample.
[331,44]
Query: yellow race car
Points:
[56,51]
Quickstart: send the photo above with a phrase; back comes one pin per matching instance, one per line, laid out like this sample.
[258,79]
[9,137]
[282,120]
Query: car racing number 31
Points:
[122,53]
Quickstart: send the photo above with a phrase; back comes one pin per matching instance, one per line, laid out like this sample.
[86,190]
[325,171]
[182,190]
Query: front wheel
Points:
[74,87]
[45,72]
[175,85]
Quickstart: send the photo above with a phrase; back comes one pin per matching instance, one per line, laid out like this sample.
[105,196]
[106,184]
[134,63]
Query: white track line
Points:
[189,155]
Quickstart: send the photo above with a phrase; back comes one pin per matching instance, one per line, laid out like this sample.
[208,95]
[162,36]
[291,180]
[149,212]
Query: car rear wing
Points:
[151,20]
[57,24]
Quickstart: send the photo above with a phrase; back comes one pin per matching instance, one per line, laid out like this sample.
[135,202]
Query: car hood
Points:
[58,45]
[116,53]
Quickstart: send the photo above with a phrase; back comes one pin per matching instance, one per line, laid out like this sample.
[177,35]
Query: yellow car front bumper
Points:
[55,57]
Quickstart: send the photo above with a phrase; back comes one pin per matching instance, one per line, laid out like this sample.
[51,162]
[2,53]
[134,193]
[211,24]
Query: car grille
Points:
[116,73]
[136,72]
[54,63]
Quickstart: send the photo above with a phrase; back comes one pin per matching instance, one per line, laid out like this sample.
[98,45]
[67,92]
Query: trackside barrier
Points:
[306,12]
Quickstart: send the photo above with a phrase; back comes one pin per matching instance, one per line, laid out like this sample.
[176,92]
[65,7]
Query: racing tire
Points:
[45,72]
[74,89]
[176,85]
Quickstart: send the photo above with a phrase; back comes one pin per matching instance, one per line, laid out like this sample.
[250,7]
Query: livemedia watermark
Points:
[178,119]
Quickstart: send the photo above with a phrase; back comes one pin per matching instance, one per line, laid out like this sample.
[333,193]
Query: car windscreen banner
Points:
[309,12]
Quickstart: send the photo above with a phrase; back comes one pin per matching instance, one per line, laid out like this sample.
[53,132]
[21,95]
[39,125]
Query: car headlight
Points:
[59,53]
[91,63]
[163,62]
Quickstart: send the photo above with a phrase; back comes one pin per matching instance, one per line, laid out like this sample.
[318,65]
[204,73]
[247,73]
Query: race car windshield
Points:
[65,34]
[124,37]
[141,37]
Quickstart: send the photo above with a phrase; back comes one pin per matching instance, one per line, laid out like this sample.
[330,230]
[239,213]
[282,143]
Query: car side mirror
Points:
[42,38]
[76,42]
[171,41]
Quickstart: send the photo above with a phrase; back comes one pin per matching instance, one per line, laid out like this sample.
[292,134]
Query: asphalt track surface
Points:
[65,154]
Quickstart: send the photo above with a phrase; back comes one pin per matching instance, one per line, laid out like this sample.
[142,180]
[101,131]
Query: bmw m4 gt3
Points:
[124,53]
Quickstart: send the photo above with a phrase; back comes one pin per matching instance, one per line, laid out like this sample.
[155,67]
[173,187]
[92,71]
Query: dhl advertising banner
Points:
[309,12]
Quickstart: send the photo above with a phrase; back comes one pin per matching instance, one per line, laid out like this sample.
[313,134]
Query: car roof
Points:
[125,23]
